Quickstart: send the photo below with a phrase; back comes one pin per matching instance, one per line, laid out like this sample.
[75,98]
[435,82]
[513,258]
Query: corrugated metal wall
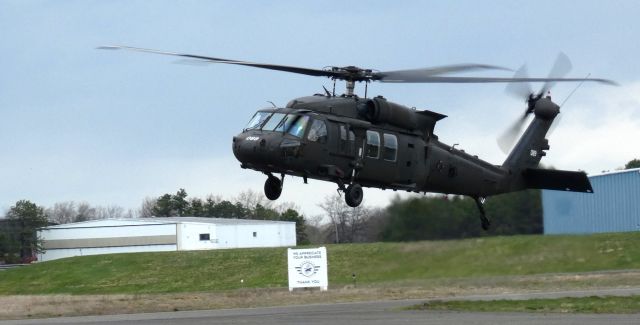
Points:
[613,207]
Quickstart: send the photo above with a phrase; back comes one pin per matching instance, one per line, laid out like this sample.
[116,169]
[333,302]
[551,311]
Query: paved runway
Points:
[366,313]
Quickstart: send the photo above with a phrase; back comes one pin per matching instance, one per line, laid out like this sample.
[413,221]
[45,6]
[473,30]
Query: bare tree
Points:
[317,232]
[146,209]
[348,223]
[85,212]
[110,212]
[250,199]
[284,206]
[62,212]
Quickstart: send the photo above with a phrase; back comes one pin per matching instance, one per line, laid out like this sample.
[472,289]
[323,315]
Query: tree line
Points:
[415,218]
[247,205]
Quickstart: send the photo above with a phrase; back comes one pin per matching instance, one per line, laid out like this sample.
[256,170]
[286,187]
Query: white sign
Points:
[308,268]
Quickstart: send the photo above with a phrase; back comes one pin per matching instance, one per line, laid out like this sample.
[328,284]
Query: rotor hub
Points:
[546,109]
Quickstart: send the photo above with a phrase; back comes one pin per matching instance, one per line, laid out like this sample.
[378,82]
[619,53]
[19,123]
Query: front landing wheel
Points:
[272,188]
[353,195]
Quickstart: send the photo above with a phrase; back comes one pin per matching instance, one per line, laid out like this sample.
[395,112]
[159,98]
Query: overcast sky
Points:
[114,127]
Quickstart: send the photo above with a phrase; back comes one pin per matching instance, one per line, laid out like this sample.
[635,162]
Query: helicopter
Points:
[358,142]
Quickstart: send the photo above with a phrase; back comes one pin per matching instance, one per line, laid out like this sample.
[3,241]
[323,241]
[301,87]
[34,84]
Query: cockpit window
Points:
[285,123]
[274,122]
[318,131]
[298,125]
[257,120]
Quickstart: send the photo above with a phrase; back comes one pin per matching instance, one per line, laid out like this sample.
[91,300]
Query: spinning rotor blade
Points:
[520,89]
[419,75]
[509,137]
[343,73]
[285,68]
[561,67]
[351,73]
[444,79]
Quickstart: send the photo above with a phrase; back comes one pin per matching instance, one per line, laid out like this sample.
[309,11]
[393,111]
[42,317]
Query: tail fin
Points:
[525,157]
[532,145]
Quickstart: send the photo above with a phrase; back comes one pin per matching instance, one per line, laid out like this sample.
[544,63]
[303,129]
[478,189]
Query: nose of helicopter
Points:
[258,149]
[266,149]
[249,148]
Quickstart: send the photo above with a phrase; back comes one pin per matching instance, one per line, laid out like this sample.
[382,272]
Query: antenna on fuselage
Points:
[326,91]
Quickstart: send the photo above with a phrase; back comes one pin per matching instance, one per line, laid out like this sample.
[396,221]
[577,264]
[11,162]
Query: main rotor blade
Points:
[426,75]
[445,79]
[285,68]
[417,75]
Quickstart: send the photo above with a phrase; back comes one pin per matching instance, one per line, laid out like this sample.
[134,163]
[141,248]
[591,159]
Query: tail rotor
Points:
[561,67]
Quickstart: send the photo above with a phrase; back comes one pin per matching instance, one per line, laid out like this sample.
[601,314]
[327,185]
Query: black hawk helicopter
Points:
[360,142]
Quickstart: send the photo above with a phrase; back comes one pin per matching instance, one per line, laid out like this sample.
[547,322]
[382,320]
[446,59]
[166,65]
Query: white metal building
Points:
[162,234]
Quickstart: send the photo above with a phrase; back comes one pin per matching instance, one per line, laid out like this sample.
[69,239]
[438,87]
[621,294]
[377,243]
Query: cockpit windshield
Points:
[257,120]
[274,122]
[293,124]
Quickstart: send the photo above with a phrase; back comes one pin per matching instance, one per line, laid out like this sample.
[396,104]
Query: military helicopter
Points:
[359,142]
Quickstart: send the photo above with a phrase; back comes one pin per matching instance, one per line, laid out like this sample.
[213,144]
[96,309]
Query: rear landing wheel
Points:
[272,188]
[353,195]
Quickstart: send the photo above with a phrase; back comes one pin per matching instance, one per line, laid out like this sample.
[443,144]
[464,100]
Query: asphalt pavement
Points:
[365,313]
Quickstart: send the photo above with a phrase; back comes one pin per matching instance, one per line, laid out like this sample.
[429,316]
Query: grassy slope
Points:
[597,305]
[373,263]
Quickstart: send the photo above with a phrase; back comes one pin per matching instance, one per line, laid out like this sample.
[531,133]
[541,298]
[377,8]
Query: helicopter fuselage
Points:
[373,142]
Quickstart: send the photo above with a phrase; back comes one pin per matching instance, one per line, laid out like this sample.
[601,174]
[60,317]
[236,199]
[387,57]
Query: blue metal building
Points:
[614,206]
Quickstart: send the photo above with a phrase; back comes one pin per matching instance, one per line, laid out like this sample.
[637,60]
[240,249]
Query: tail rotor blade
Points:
[520,89]
[509,137]
[561,67]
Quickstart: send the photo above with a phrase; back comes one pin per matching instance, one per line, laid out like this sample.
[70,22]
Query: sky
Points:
[113,127]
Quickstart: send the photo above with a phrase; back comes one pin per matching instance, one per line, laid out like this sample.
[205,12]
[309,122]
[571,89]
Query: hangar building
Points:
[614,206]
[162,234]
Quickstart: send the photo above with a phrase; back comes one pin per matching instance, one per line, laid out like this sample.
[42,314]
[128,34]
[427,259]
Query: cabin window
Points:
[390,150]
[257,120]
[318,132]
[347,138]
[298,125]
[373,144]
[204,237]
[274,122]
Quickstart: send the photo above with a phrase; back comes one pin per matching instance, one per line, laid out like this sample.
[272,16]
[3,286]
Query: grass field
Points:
[374,264]
[598,305]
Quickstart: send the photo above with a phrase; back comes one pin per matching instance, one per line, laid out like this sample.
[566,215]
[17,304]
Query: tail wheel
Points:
[272,188]
[353,195]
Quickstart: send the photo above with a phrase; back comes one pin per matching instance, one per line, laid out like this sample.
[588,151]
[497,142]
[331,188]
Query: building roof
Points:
[636,170]
[171,220]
